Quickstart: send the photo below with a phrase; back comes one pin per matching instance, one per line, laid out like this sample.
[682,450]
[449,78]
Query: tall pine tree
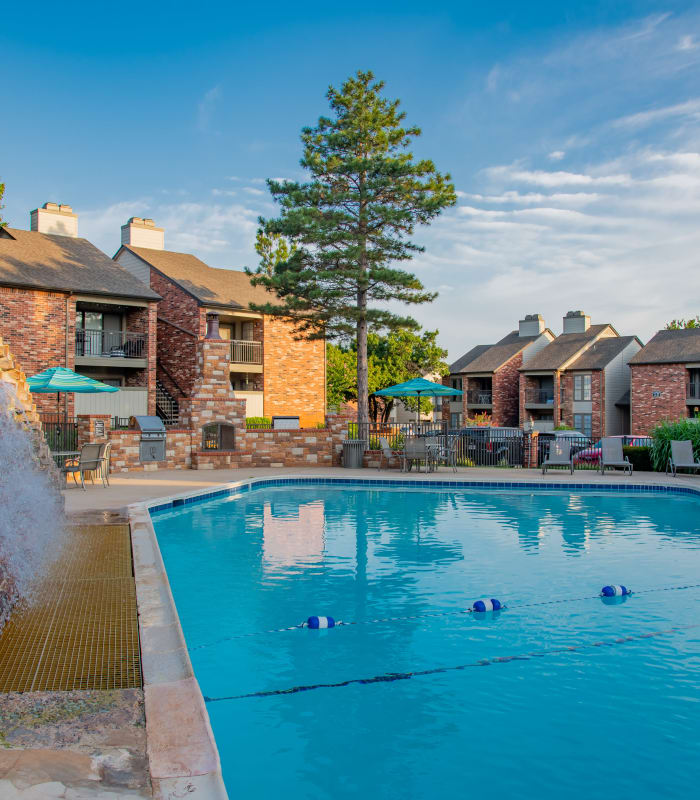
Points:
[351,221]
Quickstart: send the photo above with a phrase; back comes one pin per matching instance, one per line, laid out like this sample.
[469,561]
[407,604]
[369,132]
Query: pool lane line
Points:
[428,615]
[389,677]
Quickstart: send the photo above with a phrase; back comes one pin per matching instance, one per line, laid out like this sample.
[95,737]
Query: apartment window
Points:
[455,420]
[457,383]
[582,387]
[584,423]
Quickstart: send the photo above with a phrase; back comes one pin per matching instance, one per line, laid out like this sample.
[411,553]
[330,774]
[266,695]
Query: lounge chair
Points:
[611,455]
[387,452]
[90,461]
[681,458]
[559,456]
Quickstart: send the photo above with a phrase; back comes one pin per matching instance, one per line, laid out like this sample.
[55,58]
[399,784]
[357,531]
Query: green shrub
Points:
[258,422]
[563,428]
[667,432]
[640,458]
[321,425]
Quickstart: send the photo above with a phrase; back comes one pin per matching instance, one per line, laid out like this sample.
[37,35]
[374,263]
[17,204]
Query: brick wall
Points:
[294,374]
[597,404]
[648,411]
[567,407]
[505,385]
[33,324]
[144,320]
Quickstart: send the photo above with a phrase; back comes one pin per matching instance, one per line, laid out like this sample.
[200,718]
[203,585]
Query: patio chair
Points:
[416,449]
[611,455]
[559,456]
[90,461]
[447,452]
[387,451]
[104,456]
[681,458]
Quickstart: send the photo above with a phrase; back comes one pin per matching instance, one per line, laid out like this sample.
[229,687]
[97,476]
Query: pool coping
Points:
[182,753]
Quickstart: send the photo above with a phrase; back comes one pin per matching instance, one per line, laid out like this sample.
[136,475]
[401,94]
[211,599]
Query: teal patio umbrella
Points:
[61,379]
[418,387]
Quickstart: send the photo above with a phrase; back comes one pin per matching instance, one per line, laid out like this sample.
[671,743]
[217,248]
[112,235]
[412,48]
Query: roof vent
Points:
[139,232]
[56,218]
[576,322]
[532,325]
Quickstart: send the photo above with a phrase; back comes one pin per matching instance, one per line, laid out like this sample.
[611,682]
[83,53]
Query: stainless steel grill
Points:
[152,445]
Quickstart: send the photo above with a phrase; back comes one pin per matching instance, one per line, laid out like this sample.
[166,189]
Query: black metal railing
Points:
[480,397]
[120,423]
[60,432]
[540,396]
[246,352]
[693,391]
[114,344]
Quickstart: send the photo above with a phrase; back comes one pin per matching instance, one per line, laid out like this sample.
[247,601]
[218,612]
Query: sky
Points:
[571,131]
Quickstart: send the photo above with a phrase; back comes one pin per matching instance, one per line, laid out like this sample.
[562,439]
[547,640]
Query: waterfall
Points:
[32,523]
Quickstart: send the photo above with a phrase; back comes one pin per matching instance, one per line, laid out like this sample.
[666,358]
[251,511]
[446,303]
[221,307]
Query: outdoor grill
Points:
[152,445]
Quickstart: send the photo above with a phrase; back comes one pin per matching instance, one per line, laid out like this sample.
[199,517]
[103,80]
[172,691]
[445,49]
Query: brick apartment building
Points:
[63,302]
[665,379]
[581,379]
[489,377]
[274,372]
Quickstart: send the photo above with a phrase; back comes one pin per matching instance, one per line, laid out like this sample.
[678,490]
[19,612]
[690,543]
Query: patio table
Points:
[62,457]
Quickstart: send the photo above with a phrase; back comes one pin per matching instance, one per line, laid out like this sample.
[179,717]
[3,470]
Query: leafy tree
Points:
[393,358]
[273,249]
[351,221]
[680,324]
[2,192]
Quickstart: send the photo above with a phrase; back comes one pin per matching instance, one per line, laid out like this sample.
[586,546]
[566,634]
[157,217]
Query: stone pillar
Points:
[93,428]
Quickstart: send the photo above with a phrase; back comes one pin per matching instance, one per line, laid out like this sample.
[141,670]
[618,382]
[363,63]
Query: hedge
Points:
[640,458]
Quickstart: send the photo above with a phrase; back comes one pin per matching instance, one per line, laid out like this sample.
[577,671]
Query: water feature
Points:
[32,523]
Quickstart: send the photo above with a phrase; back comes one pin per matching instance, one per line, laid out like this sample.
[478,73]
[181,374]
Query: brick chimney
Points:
[54,218]
[532,325]
[143,233]
[576,322]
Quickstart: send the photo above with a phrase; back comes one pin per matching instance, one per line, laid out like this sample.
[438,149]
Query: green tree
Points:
[680,324]
[2,192]
[273,249]
[393,358]
[351,221]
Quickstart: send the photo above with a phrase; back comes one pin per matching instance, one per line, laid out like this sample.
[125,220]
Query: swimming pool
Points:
[601,697]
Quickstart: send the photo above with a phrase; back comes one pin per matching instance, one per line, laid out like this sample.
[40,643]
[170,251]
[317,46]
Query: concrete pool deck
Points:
[139,487]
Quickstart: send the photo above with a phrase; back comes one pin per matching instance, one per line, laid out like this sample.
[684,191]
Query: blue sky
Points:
[572,132]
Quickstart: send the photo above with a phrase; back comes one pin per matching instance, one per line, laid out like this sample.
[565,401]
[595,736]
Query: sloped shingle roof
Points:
[671,347]
[462,362]
[63,263]
[563,348]
[498,354]
[600,354]
[211,286]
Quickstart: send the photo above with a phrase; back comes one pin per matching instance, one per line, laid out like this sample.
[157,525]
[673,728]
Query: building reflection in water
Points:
[293,535]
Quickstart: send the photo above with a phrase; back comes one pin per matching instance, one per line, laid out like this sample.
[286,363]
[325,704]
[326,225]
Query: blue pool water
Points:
[620,720]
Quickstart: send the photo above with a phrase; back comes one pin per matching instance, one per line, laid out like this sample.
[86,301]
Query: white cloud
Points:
[516,174]
[689,109]
[687,42]
[253,190]
[556,155]
[224,192]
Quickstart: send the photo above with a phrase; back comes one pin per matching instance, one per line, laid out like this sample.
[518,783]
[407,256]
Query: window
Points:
[457,383]
[582,387]
[247,329]
[583,423]
[218,436]
[455,420]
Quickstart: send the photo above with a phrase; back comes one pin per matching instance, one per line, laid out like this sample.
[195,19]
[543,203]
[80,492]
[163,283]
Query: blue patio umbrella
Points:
[418,387]
[61,379]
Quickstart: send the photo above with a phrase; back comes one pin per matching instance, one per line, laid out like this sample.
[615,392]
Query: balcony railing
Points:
[246,352]
[540,397]
[480,397]
[110,344]
[693,391]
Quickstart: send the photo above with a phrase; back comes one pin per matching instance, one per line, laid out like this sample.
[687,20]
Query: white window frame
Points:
[583,387]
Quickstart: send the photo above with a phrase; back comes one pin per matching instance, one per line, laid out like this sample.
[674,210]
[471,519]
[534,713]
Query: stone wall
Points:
[647,411]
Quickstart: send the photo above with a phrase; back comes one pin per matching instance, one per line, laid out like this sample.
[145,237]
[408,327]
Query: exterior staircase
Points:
[167,407]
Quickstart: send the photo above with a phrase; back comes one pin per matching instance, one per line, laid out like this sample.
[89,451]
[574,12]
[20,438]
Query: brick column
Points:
[93,428]
[530,449]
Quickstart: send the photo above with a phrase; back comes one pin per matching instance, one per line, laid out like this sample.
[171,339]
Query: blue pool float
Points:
[320,622]
[488,605]
[614,591]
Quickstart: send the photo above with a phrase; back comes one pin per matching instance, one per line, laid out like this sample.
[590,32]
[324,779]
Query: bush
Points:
[258,422]
[666,432]
[640,458]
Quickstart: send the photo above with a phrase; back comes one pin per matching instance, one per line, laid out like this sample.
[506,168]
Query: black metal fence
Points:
[125,344]
[61,432]
[120,423]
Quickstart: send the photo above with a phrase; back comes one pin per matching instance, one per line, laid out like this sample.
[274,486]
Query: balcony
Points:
[113,348]
[246,352]
[479,397]
[539,397]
